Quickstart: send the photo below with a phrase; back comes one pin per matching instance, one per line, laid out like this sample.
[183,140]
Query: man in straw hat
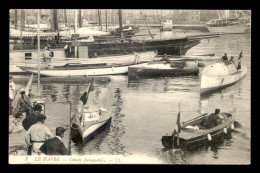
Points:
[37,135]
[55,146]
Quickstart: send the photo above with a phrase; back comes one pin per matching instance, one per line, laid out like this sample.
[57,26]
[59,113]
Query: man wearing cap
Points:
[32,117]
[37,135]
[55,146]
[213,120]
[224,58]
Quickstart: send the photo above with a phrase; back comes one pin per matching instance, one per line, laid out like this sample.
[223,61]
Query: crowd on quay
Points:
[25,116]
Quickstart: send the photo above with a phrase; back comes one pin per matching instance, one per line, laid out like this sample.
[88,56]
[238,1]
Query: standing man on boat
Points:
[213,120]
[55,146]
[47,55]
[66,49]
[12,92]
[137,56]
[37,135]
[224,58]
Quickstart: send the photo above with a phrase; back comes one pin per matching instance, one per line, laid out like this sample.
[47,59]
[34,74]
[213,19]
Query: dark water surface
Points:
[145,110]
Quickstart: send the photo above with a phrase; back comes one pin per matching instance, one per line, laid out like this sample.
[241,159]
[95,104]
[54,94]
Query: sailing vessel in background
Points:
[230,24]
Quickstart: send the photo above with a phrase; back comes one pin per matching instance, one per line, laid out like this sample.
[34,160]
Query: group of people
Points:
[225,58]
[24,116]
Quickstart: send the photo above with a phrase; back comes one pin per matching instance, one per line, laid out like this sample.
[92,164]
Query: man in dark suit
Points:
[55,146]
[31,118]
[213,120]
[224,58]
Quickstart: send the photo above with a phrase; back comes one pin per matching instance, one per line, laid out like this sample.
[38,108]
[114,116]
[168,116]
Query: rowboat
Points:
[193,134]
[219,75]
[160,69]
[91,120]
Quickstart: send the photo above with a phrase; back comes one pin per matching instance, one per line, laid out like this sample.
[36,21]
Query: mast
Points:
[22,26]
[38,55]
[75,29]
[160,24]
[120,23]
[218,15]
[15,19]
[106,19]
[99,19]
[55,20]
[65,17]
[80,20]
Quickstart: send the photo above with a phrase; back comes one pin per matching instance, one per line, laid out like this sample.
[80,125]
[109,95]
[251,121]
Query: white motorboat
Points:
[219,75]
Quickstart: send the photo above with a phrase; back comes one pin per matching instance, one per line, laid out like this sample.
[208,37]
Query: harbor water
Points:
[145,110]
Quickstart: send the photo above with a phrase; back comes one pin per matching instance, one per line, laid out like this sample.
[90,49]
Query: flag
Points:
[84,97]
[240,55]
[178,124]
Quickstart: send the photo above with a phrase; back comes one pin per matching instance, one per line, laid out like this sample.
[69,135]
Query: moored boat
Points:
[89,122]
[219,75]
[94,69]
[193,134]
[83,70]
[160,69]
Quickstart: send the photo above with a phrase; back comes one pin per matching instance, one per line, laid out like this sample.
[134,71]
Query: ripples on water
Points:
[143,111]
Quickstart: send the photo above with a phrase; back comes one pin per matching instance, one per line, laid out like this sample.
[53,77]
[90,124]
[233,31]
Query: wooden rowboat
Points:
[220,75]
[194,135]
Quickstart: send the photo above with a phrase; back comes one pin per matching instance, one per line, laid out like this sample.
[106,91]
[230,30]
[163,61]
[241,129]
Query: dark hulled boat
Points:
[177,46]
[160,69]
[193,135]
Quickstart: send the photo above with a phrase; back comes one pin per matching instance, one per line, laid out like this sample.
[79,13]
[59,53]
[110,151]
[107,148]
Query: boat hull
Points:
[148,71]
[216,136]
[190,138]
[210,84]
[84,135]
[232,29]
[67,72]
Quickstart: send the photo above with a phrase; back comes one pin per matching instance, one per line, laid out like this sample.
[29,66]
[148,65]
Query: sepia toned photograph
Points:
[130,86]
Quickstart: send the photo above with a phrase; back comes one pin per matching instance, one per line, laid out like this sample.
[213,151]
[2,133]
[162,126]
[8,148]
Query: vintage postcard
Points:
[128,86]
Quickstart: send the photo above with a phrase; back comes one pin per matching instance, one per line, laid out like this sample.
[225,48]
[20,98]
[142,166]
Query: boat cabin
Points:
[221,68]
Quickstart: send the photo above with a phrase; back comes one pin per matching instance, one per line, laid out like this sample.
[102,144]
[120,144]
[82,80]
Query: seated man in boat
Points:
[231,59]
[224,58]
[37,135]
[213,119]
[166,59]
[55,146]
